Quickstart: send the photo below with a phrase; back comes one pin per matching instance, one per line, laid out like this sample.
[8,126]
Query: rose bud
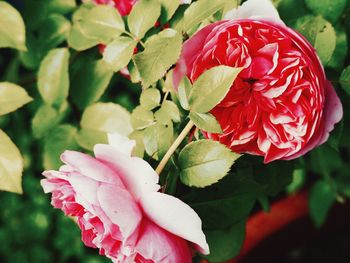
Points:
[115,200]
[281,105]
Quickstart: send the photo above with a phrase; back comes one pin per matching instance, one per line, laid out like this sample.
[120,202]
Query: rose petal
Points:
[158,245]
[137,175]
[121,143]
[90,167]
[175,216]
[120,207]
[255,9]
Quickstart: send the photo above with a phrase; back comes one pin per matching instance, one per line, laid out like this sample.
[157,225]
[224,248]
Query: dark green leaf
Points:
[345,79]
[329,9]
[322,196]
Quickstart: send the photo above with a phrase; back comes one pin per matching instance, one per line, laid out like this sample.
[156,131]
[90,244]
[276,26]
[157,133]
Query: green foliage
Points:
[150,99]
[322,196]
[11,36]
[206,122]
[211,87]
[12,97]
[205,162]
[11,165]
[345,79]
[53,79]
[329,9]
[143,17]
[161,52]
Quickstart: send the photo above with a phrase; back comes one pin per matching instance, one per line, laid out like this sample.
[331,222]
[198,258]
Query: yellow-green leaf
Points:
[11,165]
[12,29]
[12,97]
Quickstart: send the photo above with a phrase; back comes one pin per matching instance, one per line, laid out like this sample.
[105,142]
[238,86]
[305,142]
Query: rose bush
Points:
[281,105]
[116,202]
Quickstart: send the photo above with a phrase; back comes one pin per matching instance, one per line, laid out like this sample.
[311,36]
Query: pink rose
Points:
[281,105]
[116,202]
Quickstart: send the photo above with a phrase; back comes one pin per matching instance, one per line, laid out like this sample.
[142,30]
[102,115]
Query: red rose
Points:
[124,6]
[281,105]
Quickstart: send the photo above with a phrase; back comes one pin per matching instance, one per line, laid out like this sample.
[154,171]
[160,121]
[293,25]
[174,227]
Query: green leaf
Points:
[118,53]
[206,122]
[61,6]
[341,49]
[53,82]
[11,165]
[46,118]
[150,98]
[322,197]
[168,9]
[58,140]
[211,87]
[167,113]
[91,77]
[141,118]
[205,162]
[102,22]
[12,29]
[345,79]
[184,91]
[108,118]
[161,52]
[78,41]
[87,139]
[329,9]
[12,97]
[143,16]
[157,139]
[199,11]
[139,149]
[56,30]
[320,33]
[225,244]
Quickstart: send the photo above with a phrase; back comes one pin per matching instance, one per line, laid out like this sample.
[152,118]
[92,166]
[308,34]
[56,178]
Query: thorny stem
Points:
[174,146]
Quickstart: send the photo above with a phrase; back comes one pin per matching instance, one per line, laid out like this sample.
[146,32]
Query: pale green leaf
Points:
[322,196]
[161,52]
[102,22]
[44,120]
[11,165]
[78,41]
[87,139]
[157,139]
[56,142]
[118,53]
[211,87]
[107,117]
[168,112]
[12,29]
[199,11]
[141,118]
[320,34]
[12,97]
[92,78]
[53,81]
[184,91]
[206,122]
[143,16]
[150,98]
[139,149]
[168,8]
[205,162]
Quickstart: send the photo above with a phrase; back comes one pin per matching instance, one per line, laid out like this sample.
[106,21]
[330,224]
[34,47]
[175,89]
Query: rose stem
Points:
[174,146]
[262,225]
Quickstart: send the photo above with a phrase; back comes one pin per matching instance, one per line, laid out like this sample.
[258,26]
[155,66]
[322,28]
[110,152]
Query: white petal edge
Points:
[121,143]
[176,217]
[255,9]
[137,175]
